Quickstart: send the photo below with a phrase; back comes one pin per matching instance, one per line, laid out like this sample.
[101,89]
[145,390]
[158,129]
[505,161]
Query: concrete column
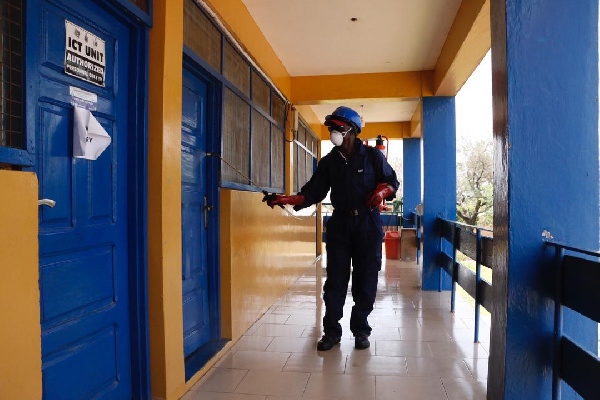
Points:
[439,173]
[545,90]
[411,186]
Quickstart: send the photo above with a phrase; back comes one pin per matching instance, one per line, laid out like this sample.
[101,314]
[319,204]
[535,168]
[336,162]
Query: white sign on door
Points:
[85,55]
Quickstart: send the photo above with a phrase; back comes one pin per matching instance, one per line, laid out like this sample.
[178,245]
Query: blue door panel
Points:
[196,318]
[83,240]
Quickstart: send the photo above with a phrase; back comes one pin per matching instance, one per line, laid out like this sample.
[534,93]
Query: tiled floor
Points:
[419,350]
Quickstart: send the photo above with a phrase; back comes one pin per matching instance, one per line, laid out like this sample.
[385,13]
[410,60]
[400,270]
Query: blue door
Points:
[83,240]
[194,215]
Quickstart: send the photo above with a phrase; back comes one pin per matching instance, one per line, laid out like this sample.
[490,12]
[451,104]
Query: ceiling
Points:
[317,37]
[382,111]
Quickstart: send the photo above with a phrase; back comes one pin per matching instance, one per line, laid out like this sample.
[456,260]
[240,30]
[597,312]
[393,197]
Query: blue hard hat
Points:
[346,116]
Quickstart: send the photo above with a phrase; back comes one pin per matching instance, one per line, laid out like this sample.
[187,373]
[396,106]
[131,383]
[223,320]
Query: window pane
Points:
[236,70]
[260,92]
[278,110]
[200,35]
[236,138]
[278,152]
[261,150]
[296,175]
[301,134]
[309,166]
[301,166]
[11,67]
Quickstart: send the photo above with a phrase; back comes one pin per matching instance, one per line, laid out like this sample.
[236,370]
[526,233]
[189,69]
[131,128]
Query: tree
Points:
[475,185]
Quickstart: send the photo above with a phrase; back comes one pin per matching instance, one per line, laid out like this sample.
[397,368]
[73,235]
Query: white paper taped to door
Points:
[89,137]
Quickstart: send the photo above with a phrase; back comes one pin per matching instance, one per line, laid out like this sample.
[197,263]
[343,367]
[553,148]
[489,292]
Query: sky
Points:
[474,105]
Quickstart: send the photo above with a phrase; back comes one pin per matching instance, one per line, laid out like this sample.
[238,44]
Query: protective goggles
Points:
[343,129]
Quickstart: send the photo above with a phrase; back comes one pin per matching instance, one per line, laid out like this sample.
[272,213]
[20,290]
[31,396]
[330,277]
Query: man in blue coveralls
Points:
[360,178]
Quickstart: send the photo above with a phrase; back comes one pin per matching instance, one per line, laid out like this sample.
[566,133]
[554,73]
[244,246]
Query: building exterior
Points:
[159,254]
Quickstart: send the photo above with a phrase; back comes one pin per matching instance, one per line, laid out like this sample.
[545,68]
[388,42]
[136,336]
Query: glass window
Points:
[236,138]
[261,93]
[261,150]
[236,69]
[200,35]
[278,153]
[11,74]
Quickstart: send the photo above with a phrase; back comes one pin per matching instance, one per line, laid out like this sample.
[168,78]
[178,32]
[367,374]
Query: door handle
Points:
[207,208]
[47,202]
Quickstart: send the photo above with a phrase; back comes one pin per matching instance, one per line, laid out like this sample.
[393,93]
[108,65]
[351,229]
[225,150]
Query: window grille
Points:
[278,152]
[261,93]
[11,74]
[305,153]
[200,35]
[261,150]
[236,138]
[236,69]
[255,146]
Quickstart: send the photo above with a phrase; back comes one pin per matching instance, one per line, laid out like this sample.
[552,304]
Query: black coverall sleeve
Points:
[317,187]
[386,174]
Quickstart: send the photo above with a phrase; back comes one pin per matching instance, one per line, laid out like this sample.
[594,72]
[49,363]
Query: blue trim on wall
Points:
[439,195]
[411,175]
[18,157]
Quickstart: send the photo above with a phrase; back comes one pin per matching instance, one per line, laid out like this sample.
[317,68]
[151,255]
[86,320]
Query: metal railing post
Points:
[454,267]
[477,284]
[558,324]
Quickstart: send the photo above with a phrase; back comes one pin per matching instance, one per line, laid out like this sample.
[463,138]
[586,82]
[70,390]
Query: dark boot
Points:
[361,342]
[327,343]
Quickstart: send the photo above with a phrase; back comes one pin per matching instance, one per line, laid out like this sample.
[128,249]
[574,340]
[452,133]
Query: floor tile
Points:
[416,353]
[458,350]
[409,388]
[465,389]
[340,387]
[220,380]
[366,364]
[255,343]
[326,362]
[438,367]
[293,345]
[279,330]
[255,360]
[478,367]
[273,383]
[191,395]
[398,348]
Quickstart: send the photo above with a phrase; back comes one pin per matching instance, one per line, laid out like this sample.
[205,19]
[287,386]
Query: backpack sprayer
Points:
[268,196]
[384,149]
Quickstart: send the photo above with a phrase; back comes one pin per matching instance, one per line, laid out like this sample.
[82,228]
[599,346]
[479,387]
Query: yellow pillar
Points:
[164,200]
[20,335]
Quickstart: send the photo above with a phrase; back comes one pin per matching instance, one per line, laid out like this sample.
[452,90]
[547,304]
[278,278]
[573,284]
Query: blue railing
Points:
[577,275]
[469,240]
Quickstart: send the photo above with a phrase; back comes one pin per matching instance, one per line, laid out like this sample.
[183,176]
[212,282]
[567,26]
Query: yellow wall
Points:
[164,200]
[20,334]
[263,251]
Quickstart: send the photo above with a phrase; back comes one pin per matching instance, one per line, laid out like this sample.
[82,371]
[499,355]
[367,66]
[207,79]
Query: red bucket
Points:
[392,245]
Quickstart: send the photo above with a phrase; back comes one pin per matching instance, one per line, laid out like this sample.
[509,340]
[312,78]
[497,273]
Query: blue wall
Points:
[411,185]
[439,181]
[545,68]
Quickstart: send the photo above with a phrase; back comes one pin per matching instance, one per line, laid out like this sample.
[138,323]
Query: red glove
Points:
[274,200]
[382,191]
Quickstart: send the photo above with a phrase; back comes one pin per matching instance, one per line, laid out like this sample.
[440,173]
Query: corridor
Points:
[419,350]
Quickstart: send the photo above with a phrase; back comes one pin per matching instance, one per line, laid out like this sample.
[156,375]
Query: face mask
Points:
[337,138]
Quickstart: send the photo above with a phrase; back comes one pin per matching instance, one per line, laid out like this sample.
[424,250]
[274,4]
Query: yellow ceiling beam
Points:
[416,122]
[467,43]
[322,89]
[393,130]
